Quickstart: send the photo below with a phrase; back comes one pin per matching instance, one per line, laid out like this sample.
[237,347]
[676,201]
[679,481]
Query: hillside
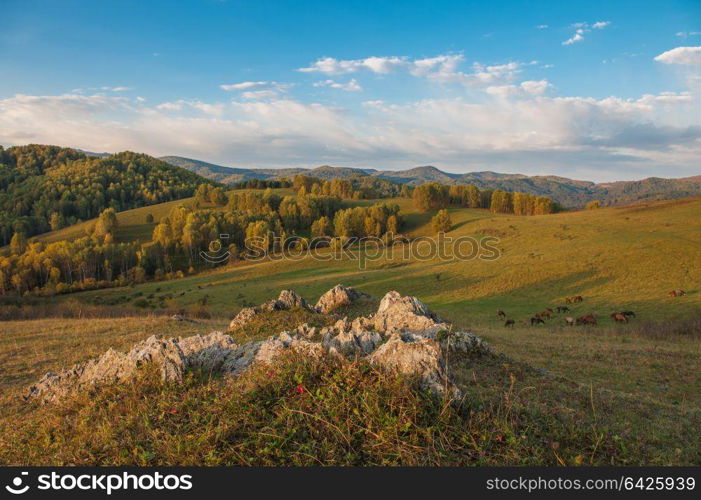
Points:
[549,383]
[338,392]
[568,192]
[618,258]
[47,187]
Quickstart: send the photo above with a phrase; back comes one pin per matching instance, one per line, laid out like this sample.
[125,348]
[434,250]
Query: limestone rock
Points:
[416,340]
[244,316]
[419,357]
[113,366]
[353,342]
[207,352]
[336,297]
[265,351]
[288,299]
[406,314]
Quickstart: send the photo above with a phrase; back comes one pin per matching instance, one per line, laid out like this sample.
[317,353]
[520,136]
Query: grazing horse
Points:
[628,314]
[569,321]
[588,319]
[568,300]
[544,314]
[677,293]
[562,309]
[535,320]
[501,313]
[577,298]
[510,322]
[619,317]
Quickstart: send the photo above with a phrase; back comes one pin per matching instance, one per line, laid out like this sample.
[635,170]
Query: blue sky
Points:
[594,90]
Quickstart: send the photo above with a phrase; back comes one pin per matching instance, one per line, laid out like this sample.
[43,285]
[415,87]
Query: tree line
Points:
[435,196]
[249,220]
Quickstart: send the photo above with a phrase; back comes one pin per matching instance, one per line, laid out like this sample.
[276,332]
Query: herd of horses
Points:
[587,319]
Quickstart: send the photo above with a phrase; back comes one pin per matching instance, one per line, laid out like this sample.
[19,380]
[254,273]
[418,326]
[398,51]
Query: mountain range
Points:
[568,192]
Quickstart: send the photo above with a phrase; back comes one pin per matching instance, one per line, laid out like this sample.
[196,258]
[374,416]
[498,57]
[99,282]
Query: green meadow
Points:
[634,387]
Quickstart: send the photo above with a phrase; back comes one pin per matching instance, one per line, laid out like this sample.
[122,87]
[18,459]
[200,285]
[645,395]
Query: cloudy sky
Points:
[595,90]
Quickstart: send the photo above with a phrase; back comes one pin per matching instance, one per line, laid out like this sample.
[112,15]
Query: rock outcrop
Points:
[111,367]
[336,297]
[415,356]
[287,300]
[403,336]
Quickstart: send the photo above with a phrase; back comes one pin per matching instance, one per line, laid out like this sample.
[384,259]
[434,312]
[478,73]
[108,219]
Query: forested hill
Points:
[569,193]
[47,187]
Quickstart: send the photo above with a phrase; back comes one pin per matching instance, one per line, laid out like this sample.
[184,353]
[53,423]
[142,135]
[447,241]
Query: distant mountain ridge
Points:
[568,192]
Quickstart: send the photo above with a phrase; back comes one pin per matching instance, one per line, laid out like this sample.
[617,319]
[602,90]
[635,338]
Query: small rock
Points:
[244,316]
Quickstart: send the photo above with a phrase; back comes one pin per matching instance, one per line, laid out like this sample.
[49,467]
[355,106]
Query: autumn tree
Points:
[18,244]
[431,196]
[441,222]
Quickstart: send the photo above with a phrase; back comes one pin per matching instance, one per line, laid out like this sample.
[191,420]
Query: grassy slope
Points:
[618,258]
[624,258]
[132,223]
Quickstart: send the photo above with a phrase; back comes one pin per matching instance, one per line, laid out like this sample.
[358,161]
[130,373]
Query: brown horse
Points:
[510,322]
[677,293]
[619,317]
[536,320]
[577,298]
[544,314]
[501,313]
[588,319]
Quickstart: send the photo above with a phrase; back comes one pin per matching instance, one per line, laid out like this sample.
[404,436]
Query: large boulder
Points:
[397,313]
[352,343]
[336,297]
[207,352]
[266,351]
[415,356]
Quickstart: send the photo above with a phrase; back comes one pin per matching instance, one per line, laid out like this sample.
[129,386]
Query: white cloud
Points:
[103,88]
[331,66]
[582,28]
[577,37]
[257,90]
[688,56]
[260,94]
[441,68]
[524,130]
[243,86]
[542,27]
[686,34]
[351,86]
[527,88]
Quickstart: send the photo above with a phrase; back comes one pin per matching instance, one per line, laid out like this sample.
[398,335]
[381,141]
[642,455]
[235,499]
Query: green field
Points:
[132,225]
[643,374]
[616,258]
